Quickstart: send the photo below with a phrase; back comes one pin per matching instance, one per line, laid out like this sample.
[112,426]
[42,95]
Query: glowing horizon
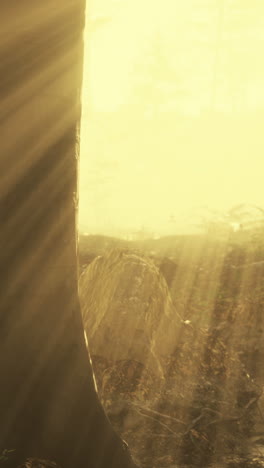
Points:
[150,148]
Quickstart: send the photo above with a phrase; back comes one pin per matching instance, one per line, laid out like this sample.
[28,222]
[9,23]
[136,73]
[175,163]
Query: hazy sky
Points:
[140,165]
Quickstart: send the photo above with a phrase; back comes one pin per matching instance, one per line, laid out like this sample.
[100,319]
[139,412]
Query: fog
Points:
[173,102]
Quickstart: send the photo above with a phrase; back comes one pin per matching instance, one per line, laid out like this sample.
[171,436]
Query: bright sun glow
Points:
[172,112]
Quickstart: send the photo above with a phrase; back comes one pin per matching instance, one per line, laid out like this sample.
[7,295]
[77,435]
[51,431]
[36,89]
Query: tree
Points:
[48,403]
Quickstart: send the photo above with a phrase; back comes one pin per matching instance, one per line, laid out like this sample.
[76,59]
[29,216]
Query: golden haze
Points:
[173,103]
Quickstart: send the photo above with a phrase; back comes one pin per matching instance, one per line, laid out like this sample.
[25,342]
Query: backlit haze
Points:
[173,102]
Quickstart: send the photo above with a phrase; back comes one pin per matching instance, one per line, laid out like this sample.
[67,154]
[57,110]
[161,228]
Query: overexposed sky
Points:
[139,166]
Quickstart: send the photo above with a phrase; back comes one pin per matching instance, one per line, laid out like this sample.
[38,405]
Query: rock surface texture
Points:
[127,309]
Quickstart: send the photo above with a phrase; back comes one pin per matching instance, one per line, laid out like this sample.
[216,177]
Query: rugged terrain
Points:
[185,389]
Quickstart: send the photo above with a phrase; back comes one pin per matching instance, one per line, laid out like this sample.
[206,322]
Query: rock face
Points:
[127,309]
